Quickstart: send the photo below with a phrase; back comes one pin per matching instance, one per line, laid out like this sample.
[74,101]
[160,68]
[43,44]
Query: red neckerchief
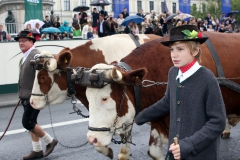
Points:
[188,66]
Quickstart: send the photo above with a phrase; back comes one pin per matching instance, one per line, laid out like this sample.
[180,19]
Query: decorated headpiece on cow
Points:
[185,33]
[46,60]
[98,77]
[25,34]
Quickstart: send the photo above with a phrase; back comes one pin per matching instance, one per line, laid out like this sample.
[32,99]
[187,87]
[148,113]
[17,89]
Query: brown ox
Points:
[101,50]
[105,103]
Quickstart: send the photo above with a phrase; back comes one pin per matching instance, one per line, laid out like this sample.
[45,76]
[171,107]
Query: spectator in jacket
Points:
[104,13]
[128,29]
[140,13]
[9,38]
[95,19]
[47,22]
[158,30]
[66,30]
[125,13]
[2,34]
[75,23]
[86,29]
[82,18]
[119,22]
[103,27]
[135,29]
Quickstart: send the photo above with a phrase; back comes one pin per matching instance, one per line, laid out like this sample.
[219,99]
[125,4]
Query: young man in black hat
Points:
[193,98]
[25,84]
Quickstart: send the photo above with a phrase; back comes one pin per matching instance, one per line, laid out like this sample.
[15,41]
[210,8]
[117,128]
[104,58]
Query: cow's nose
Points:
[92,140]
[31,102]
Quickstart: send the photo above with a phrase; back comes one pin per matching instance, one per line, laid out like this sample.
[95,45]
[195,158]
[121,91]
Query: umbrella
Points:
[233,12]
[79,8]
[99,3]
[134,18]
[171,17]
[33,23]
[183,16]
[51,30]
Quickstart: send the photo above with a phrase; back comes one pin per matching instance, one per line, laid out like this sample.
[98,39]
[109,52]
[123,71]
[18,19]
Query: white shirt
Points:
[95,36]
[85,29]
[183,76]
[37,30]
[120,27]
[25,55]
[101,27]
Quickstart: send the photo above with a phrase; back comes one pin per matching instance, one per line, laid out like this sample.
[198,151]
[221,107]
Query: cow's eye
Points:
[42,79]
[104,99]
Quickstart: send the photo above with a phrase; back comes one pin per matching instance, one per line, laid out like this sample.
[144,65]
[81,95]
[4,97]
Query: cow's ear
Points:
[64,58]
[134,77]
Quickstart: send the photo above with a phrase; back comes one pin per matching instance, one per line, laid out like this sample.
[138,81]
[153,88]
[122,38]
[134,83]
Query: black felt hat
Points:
[25,34]
[185,33]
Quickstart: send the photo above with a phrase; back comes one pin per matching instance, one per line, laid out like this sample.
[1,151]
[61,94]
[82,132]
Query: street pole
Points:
[61,10]
[215,10]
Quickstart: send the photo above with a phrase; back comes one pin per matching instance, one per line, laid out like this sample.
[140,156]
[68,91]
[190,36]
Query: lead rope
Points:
[10,119]
[47,102]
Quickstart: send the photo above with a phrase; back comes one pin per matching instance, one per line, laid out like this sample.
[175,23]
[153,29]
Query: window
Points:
[151,5]
[84,3]
[139,5]
[162,7]
[174,8]
[203,7]
[194,7]
[111,7]
[66,5]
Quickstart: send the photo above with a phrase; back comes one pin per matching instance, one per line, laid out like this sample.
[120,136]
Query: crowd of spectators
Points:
[100,24]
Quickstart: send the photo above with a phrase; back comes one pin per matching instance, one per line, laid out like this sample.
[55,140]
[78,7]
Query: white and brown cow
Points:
[101,50]
[104,103]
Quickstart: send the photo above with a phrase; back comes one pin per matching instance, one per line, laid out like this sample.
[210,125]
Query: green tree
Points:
[236,7]
[210,6]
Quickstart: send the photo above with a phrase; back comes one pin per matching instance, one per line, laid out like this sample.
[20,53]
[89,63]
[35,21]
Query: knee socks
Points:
[37,146]
[47,138]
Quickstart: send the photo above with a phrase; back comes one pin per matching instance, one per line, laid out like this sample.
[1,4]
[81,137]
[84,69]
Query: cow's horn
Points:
[116,75]
[51,64]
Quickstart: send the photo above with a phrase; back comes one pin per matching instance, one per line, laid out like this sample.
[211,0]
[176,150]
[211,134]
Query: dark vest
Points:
[26,77]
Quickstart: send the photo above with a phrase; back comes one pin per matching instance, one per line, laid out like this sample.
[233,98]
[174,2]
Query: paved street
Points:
[73,133]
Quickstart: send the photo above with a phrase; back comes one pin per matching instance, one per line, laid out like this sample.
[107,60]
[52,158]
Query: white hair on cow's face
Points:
[55,94]
[46,54]
[103,112]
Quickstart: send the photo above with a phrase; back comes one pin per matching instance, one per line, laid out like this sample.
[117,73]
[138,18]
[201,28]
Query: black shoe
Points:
[50,147]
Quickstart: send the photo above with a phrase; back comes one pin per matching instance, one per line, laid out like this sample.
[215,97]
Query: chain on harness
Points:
[75,109]
[39,66]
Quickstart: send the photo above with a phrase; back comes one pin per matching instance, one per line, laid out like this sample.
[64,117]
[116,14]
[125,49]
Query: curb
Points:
[8,104]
